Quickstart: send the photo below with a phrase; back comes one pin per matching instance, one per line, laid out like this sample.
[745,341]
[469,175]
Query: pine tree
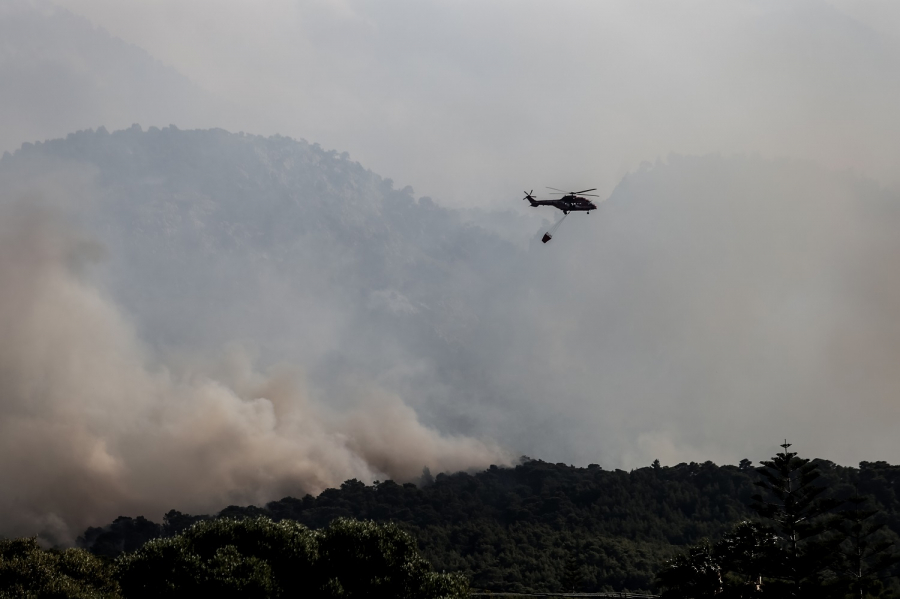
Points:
[866,550]
[799,517]
[571,575]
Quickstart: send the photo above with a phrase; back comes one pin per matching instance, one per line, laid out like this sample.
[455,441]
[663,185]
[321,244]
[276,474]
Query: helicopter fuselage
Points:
[569,203]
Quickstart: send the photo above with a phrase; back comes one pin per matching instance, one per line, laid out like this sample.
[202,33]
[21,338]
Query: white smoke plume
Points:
[92,428]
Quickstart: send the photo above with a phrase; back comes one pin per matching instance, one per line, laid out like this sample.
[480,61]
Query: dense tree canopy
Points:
[537,526]
[810,540]
[245,557]
[26,570]
[541,526]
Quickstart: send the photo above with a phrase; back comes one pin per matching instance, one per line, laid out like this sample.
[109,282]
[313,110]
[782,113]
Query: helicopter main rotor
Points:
[574,193]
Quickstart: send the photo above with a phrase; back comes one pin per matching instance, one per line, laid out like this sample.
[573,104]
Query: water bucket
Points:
[547,237]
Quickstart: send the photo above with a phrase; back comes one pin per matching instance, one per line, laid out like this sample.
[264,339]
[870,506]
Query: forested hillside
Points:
[532,526]
[302,299]
[300,257]
[236,361]
[276,319]
[213,238]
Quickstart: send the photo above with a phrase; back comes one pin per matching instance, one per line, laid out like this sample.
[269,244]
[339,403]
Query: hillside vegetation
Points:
[246,557]
[523,528]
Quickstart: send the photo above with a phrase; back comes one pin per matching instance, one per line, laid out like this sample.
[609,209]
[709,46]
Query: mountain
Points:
[276,319]
[62,74]
[269,314]
[214,237]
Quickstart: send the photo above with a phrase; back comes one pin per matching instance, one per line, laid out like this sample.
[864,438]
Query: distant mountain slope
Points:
[61,74]
[216,237]
[371,333]
[275,315]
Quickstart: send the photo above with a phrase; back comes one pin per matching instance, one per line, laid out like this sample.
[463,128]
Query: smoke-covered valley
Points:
[228,346]
[197,318]
[194,317]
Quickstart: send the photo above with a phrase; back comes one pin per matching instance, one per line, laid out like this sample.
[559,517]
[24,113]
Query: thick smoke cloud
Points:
[92,429]
[270,318]
[719,305]
[252,331]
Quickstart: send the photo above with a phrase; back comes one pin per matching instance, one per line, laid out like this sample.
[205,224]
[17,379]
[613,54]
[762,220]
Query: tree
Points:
[26,570]
[122,535]
[571,579]
[866,550]
[732,568]
[366,559]
[226,558]
[799,518]
[744,554]
[696,574]
[256,557]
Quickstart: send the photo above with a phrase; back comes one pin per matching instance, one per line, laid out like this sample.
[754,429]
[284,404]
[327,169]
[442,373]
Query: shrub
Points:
[228,558]
[365,559]
[27,571]
[257,557]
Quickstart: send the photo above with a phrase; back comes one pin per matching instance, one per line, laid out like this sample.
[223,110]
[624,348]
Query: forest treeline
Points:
[545,527]
[515,529]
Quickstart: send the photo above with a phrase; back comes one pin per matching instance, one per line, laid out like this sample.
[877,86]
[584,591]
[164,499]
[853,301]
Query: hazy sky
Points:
[469,102]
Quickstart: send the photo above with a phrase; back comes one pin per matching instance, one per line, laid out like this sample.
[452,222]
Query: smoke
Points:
[716,307]
[93,427]
[256,336]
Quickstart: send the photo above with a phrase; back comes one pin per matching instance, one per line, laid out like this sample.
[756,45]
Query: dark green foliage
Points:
[799,516]
[514,529]
[731,568]
[174,522]
[365,559]
[123,534]
[803,547]
[745,554]
[27,571]
[230,558]
[571,580]
[867,551]
[692,575]
[256,557]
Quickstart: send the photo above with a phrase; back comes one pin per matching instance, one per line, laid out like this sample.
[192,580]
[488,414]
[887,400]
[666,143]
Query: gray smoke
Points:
[193,318]
[262,318]
[719,305]
[92,428]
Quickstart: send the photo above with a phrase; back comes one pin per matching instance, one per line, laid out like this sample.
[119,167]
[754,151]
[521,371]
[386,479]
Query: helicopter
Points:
[570,201]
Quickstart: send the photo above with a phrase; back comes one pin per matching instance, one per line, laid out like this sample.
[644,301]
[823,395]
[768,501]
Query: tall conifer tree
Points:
[799,516]
[867,550]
